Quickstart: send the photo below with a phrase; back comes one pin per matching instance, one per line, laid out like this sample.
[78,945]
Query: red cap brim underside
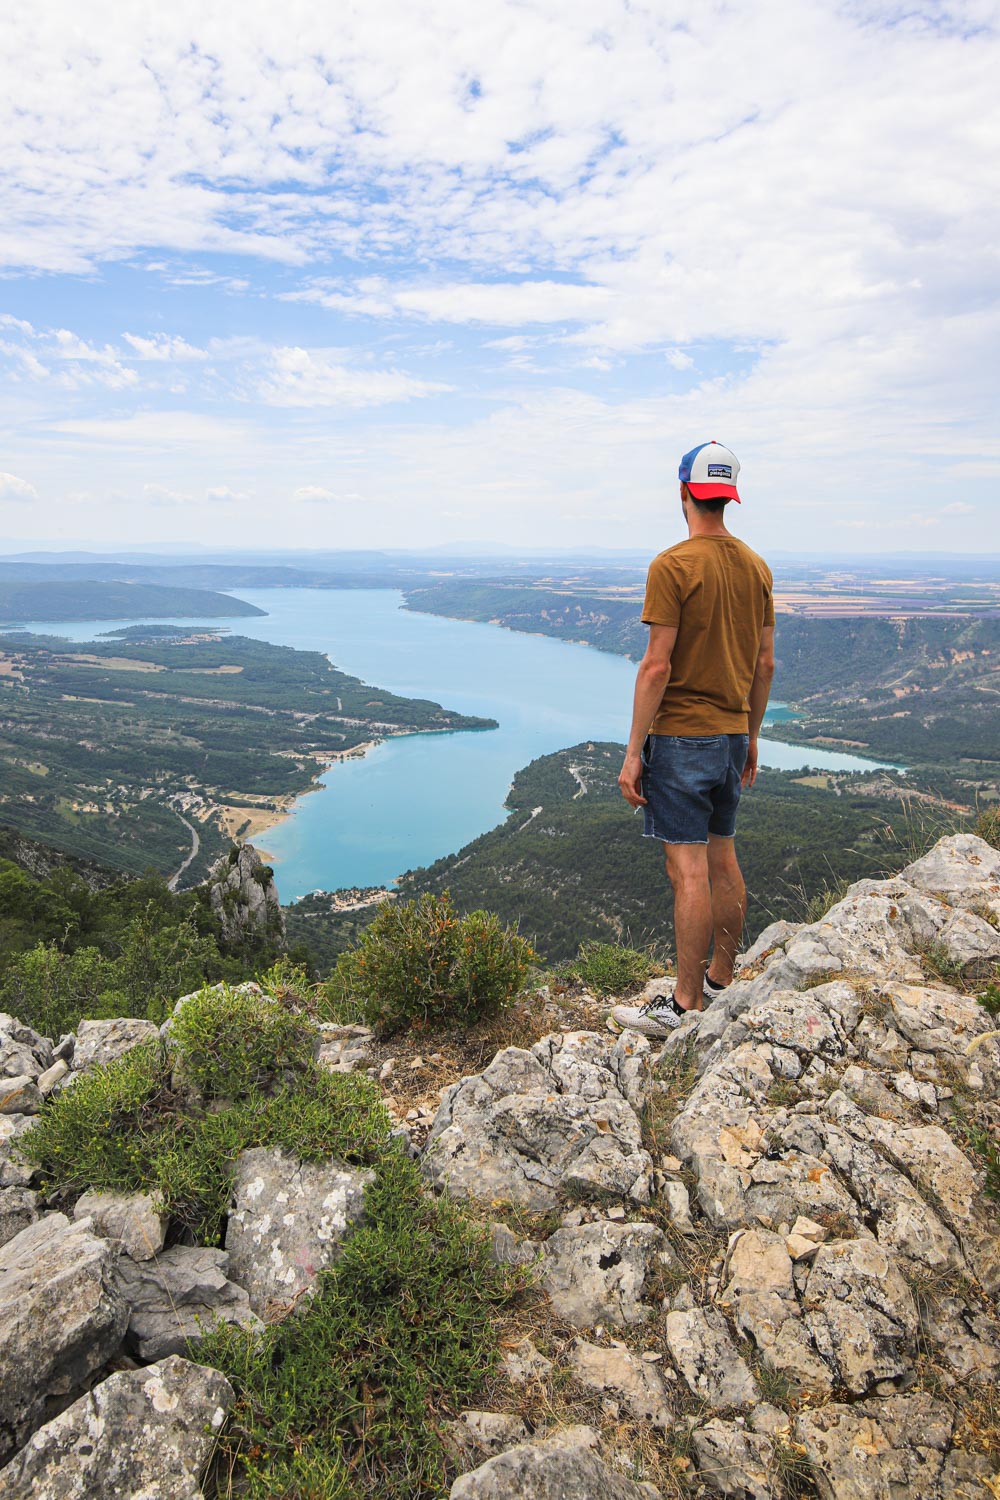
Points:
[714,492]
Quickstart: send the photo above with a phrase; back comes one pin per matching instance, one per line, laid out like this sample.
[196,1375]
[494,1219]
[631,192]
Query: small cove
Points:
[414,798]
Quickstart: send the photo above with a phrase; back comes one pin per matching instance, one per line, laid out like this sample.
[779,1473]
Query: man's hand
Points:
[630,781]
[750,769]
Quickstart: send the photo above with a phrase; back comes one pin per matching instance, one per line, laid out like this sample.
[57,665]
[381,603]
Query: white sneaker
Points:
[656,1018]
[712,991]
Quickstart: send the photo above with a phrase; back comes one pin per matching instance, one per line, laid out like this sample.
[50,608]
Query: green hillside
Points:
[93,599]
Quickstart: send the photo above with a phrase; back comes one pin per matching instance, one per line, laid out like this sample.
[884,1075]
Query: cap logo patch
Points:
[720,471]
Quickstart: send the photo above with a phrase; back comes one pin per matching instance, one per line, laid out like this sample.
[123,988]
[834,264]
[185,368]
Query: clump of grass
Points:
[674,1077]
[420,964]
[346,1399]
[793,1471]
[937,962]
[988,825]
[613,968]
[235,1042]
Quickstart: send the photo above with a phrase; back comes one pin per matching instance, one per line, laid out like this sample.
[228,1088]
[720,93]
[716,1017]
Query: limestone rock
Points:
[18,1209]
[960,868]
[861,1313]
[344,1049]
[877,1450]
[599,1273]
[244,897]
[61,1318]
[678,1206]
[135,1222]
[640,1385]
[140,1433]
[536,1125]
[734,1461]
[703,1351]
[481,1434]
[14,1170]
[178,1296]
[562,1467]
[101,1042]
[19,1095]
[48,1080]
[23,1052]
[524,1363]
[287,1223]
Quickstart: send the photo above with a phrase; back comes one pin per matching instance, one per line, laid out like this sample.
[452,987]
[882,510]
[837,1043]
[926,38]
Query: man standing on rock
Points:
[700,696]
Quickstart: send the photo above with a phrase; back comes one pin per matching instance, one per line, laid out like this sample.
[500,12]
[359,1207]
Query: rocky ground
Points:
[764,1256]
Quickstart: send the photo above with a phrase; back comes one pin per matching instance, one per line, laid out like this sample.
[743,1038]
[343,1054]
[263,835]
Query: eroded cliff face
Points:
[766,1254]
[244,896]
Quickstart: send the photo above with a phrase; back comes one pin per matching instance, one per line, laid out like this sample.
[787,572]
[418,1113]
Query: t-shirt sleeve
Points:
[768,601]
[662,605]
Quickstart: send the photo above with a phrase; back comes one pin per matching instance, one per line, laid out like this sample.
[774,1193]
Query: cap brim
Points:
[713,492]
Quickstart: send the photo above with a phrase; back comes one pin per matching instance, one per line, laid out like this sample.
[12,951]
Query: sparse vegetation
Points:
[613,968]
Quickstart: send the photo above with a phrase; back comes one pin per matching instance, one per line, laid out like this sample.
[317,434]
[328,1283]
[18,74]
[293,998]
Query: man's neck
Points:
[706,526]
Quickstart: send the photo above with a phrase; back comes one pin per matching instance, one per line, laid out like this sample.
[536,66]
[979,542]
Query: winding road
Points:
[195,846]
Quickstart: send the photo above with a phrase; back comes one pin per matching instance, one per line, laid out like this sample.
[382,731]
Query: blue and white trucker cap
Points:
[710,472]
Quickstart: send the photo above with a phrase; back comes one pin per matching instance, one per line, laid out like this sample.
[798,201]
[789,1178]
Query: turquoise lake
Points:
[417,797]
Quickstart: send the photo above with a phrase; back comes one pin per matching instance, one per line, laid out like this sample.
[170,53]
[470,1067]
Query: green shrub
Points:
[419,963]
[613,968]
[235,1041]
[990,999]
[52,991]
[345,1399]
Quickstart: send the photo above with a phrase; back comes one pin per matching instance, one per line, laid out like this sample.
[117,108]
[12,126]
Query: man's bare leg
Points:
[729,907]
[687,867]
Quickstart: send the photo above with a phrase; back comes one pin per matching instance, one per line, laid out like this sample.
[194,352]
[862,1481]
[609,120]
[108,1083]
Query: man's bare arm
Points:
[760,691]
[651,679]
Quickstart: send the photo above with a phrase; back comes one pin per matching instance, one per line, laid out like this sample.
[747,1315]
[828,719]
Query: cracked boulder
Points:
[23,1052]
[563,1467]
[287,1223]
[860,1313]
[604,1273]
[535,1126]
[735,1462]
[878,1450]
[135,1222]
[98,1043]
[14,1170]
[703,1350]
[61,1318]
[141,1433]
[178,1297]
[624,1377]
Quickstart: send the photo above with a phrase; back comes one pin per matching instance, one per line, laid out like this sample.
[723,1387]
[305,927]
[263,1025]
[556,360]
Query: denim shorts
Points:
[691,784]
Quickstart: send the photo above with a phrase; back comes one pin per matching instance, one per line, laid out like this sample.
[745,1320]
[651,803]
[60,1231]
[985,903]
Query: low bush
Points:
[235,1041]
[345,1400]
[419,963]
[613,968]
[123,1128]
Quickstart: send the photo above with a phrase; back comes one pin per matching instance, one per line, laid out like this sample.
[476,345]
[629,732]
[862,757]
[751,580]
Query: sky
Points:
[394,274]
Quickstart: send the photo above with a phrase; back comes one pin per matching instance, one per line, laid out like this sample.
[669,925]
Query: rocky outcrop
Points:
[135,1222]
[536,1126]
[244,897]
[287,1224]
[61,1317]
[180,1296]
[145,1433]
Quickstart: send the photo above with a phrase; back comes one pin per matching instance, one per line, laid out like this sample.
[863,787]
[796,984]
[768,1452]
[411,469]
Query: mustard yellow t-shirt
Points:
[719,595]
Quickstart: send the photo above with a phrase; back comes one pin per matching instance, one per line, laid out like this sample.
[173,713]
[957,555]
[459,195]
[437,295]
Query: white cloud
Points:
[14,488]
[162,346]
[223,493]
[678,359]
[957,508]
[322,377]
